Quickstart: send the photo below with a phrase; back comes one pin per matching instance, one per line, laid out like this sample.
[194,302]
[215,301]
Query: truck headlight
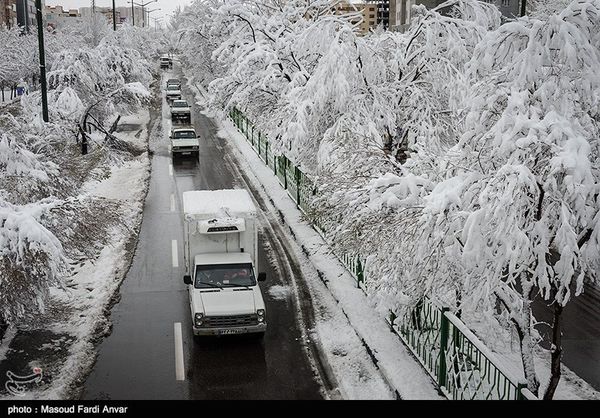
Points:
[261,315]
[199,319]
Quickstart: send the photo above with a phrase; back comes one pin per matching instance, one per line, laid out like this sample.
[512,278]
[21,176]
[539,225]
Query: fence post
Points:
[520,387]
[259,146]
[285,169]
[392,320]
[297,176]
[444,330]
[274,163]
[360,274]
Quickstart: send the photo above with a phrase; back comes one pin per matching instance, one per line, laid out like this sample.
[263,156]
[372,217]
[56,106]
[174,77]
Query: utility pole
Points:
[40,25]
[114,17]
[132,15]
[523,7]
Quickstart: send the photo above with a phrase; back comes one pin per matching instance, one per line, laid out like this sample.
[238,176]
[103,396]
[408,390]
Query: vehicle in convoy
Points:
[174,81]
[221,261]
[166,62]
[180,111]
[173,92]
[184,141]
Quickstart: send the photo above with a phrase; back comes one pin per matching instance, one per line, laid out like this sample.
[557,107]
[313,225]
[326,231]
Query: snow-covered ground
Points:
[78,312]
[361,350]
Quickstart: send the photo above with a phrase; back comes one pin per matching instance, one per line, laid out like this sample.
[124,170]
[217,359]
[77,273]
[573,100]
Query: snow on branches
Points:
[461,156]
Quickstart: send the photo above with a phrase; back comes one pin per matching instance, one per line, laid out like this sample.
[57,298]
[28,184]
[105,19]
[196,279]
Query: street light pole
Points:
[132,15]
[114,17]
[40,25]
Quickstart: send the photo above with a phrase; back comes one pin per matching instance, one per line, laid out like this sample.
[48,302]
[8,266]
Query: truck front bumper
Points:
[250,329]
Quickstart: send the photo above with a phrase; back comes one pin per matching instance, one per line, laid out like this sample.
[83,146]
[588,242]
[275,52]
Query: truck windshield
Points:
[224,275]
[180,104]
[173,87]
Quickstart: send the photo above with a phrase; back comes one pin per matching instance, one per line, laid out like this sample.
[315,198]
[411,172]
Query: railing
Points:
[456,359]
[462,366]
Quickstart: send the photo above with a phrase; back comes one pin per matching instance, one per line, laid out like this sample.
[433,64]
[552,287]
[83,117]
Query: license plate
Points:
[230,331]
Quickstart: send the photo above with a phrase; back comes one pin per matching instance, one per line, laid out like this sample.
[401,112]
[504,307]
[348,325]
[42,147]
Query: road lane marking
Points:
[174,253]
[170,169]
[172,202]
[179,366]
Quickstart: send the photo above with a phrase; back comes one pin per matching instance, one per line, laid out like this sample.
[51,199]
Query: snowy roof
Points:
[202,204]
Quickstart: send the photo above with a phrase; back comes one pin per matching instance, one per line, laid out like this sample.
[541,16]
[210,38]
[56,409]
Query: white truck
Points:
[221,261]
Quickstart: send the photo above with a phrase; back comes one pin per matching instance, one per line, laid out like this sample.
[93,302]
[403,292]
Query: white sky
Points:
[166,6]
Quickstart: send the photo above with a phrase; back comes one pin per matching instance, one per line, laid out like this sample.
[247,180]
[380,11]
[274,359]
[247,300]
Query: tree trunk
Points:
[556,352]
[522,321]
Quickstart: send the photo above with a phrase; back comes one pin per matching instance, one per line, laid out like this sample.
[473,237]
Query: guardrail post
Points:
[444,331]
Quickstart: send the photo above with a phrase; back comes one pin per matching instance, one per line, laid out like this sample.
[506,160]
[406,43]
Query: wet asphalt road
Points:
[581,333]
[137,361]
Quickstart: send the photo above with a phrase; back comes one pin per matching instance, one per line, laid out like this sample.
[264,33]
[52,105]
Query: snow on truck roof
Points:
[218,203]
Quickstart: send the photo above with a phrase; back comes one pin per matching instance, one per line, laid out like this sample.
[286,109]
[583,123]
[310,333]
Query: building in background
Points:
[125,13]
[366,14]
[8,13]
[26,13]
[107,12]
[400,10]
[56,16]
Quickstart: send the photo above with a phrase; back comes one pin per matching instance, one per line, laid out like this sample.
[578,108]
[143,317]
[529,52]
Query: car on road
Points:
[173,92]
[174,81]
[184,141]
[166,62]
[181,111]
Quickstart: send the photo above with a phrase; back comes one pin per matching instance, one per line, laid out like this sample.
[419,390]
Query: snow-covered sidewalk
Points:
[331,284]
[63,347]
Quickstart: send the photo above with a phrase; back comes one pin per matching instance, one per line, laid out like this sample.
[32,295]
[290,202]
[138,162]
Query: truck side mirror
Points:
[187,279]
[262,277]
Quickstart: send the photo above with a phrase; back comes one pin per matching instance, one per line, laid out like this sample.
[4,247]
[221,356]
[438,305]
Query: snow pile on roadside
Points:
[86,299]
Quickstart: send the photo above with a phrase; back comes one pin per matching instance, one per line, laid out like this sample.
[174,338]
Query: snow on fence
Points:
[462,366]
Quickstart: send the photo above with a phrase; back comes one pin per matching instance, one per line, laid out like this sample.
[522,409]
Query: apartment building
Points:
[8,13]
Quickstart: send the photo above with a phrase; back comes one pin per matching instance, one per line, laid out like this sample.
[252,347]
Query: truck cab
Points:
[221,248]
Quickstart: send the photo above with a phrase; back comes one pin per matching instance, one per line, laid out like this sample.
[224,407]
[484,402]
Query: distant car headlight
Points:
[199,319]
[261,315]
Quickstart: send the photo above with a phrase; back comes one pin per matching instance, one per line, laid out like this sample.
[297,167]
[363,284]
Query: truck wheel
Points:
[197,156]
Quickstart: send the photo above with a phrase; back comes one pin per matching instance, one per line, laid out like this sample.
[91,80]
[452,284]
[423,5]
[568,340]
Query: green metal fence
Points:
[460,364]
[458,361]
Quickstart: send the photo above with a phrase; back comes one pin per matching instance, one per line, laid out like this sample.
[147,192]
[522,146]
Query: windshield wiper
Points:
[212,285]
